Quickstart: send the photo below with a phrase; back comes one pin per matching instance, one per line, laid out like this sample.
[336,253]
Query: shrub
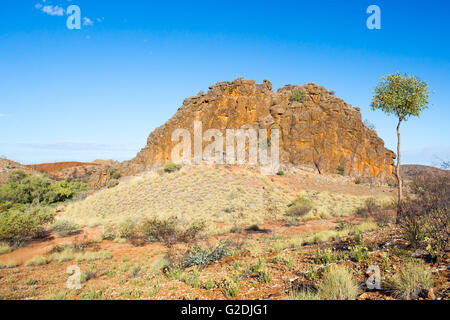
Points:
[64,228]
[159,230]
[167,230]
[280,173]
[338,284]
[340,170]
[426,215]
[36,261]
[114,174]
[411,281]
[299,207]
[22,188]
[17,227]
[155,229]
[172,167]
[112,183]
[201,256]
[369,209]
[128,230]
[298,95]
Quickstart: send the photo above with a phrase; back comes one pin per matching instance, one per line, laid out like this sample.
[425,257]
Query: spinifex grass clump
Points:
[411,281]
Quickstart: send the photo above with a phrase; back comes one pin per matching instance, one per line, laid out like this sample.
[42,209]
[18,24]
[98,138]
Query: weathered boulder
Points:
[320,133]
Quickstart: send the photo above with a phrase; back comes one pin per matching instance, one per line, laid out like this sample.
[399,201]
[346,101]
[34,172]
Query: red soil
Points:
[52,167]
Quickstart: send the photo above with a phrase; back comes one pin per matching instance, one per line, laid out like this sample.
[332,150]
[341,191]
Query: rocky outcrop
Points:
[321,133]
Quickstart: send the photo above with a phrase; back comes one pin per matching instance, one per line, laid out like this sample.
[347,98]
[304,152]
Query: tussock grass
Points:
[411,280]
[304,294]
[70,254]
[337,284]
[91,256]
[66,255]
[8,265]
[37,261]
[5,248]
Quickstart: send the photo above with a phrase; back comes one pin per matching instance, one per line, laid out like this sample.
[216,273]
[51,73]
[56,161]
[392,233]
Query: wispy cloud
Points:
[1,115]
[87,22]
[51,10]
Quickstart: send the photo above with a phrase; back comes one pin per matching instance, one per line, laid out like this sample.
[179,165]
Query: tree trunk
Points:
[399,178]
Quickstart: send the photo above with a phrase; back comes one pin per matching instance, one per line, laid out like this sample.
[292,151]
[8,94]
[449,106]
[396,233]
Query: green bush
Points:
[172,167]
[299,207]
[64,228]
[280,173]
[114,174]
[128,230]
[298,95]
[112,183]
[169,231]
[201,256]
[19,226]
[155,229]
[22,188]
[340,170]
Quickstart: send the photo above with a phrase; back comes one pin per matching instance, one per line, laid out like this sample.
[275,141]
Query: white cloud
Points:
[51,10]
[87,22]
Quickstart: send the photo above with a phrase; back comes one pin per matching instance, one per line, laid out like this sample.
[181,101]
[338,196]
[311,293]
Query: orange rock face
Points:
[321,133]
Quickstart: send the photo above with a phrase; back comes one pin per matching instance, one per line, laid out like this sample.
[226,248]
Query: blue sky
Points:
[99,91]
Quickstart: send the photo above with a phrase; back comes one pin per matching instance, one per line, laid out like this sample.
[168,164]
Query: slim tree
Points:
[403,96]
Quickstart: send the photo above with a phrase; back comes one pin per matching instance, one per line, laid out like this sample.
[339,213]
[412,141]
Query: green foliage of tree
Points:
[402,96]
[23,223]
[22,188]
[24,201]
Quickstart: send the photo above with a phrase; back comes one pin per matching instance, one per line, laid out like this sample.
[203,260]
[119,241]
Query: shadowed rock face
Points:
[322,133]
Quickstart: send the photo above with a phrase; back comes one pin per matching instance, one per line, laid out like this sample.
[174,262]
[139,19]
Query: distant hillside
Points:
[411,171]
[8,166]
[57,166]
